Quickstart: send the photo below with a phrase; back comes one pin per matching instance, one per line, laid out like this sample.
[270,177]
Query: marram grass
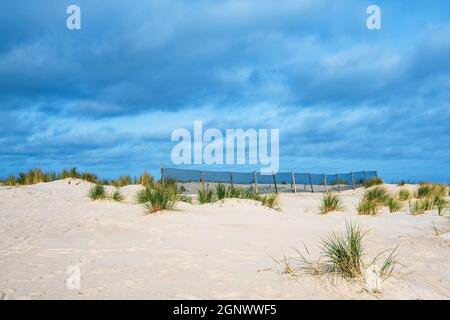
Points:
[404,194]
[97,192]
[373,182]
[331,202]
[343,254]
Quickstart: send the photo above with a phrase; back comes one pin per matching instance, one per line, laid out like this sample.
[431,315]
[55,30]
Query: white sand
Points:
[219,251]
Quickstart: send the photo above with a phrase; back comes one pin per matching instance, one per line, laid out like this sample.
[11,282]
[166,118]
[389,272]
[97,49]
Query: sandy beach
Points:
[224,250]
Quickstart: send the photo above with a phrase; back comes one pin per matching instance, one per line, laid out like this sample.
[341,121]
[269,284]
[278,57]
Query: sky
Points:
[345,98]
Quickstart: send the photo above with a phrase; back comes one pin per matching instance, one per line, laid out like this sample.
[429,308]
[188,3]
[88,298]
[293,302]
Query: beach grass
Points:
[404,194]
[344,252]
[331,202]
[160,197]
[206,196]
[373,182]
[97,192]
[394,204]
[271,201]
[116,195]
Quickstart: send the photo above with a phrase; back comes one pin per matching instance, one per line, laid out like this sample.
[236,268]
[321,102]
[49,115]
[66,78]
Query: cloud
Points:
[343,97]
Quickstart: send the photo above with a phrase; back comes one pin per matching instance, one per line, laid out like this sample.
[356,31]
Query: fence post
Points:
[162,174]
[231,179]
[325,182]
[203,181]
[353,181]
[256,181]
[293,181]
[310,182]
[365,175]
[275,183]
[338,182]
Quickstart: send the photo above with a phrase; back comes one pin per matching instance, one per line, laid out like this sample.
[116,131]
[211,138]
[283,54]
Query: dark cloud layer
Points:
[108,96]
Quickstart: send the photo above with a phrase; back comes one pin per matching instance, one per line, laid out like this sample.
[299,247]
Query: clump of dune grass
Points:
[69,173]
[11,180]
[390,261]
[372,201]
[331,202]
[97,192]
[376,194]
[404,194]
[234,192]
[339,181]
[89,176]
[221,191]
[343,254]
[271,201]
[441,204]
[160,197]
[373,182]
[116,195]
[206,196]
[393,204]
[419,206]
[122,181]
[367,207]
[146,179]
[251,194]
[428,190]
[32,176]
[143,195]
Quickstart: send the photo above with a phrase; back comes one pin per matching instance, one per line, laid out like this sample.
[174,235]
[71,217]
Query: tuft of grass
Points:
[234,192]
[367,207]
[373,199]
[143,195]
[32,176]
[271,201]
[97,192]
[11,180]
[441,205]
[404,194]
[394,204]
[389,263]
[331,202]
[160,197]
[89,176]
[69,173]
[341,182]
[206,196]
[428,190]
[146,179]
[377,194]
[122,181]
[344,252]
[250,193]
[221,191]
[419,206]
[373,182]
[116,195]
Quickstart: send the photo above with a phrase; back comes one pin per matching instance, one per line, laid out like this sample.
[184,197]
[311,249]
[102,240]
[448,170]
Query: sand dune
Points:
[217,251]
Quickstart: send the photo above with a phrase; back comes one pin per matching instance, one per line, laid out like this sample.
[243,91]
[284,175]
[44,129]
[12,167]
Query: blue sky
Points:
[107,97]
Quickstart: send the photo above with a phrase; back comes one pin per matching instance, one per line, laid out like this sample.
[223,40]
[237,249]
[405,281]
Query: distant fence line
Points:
[191,181]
